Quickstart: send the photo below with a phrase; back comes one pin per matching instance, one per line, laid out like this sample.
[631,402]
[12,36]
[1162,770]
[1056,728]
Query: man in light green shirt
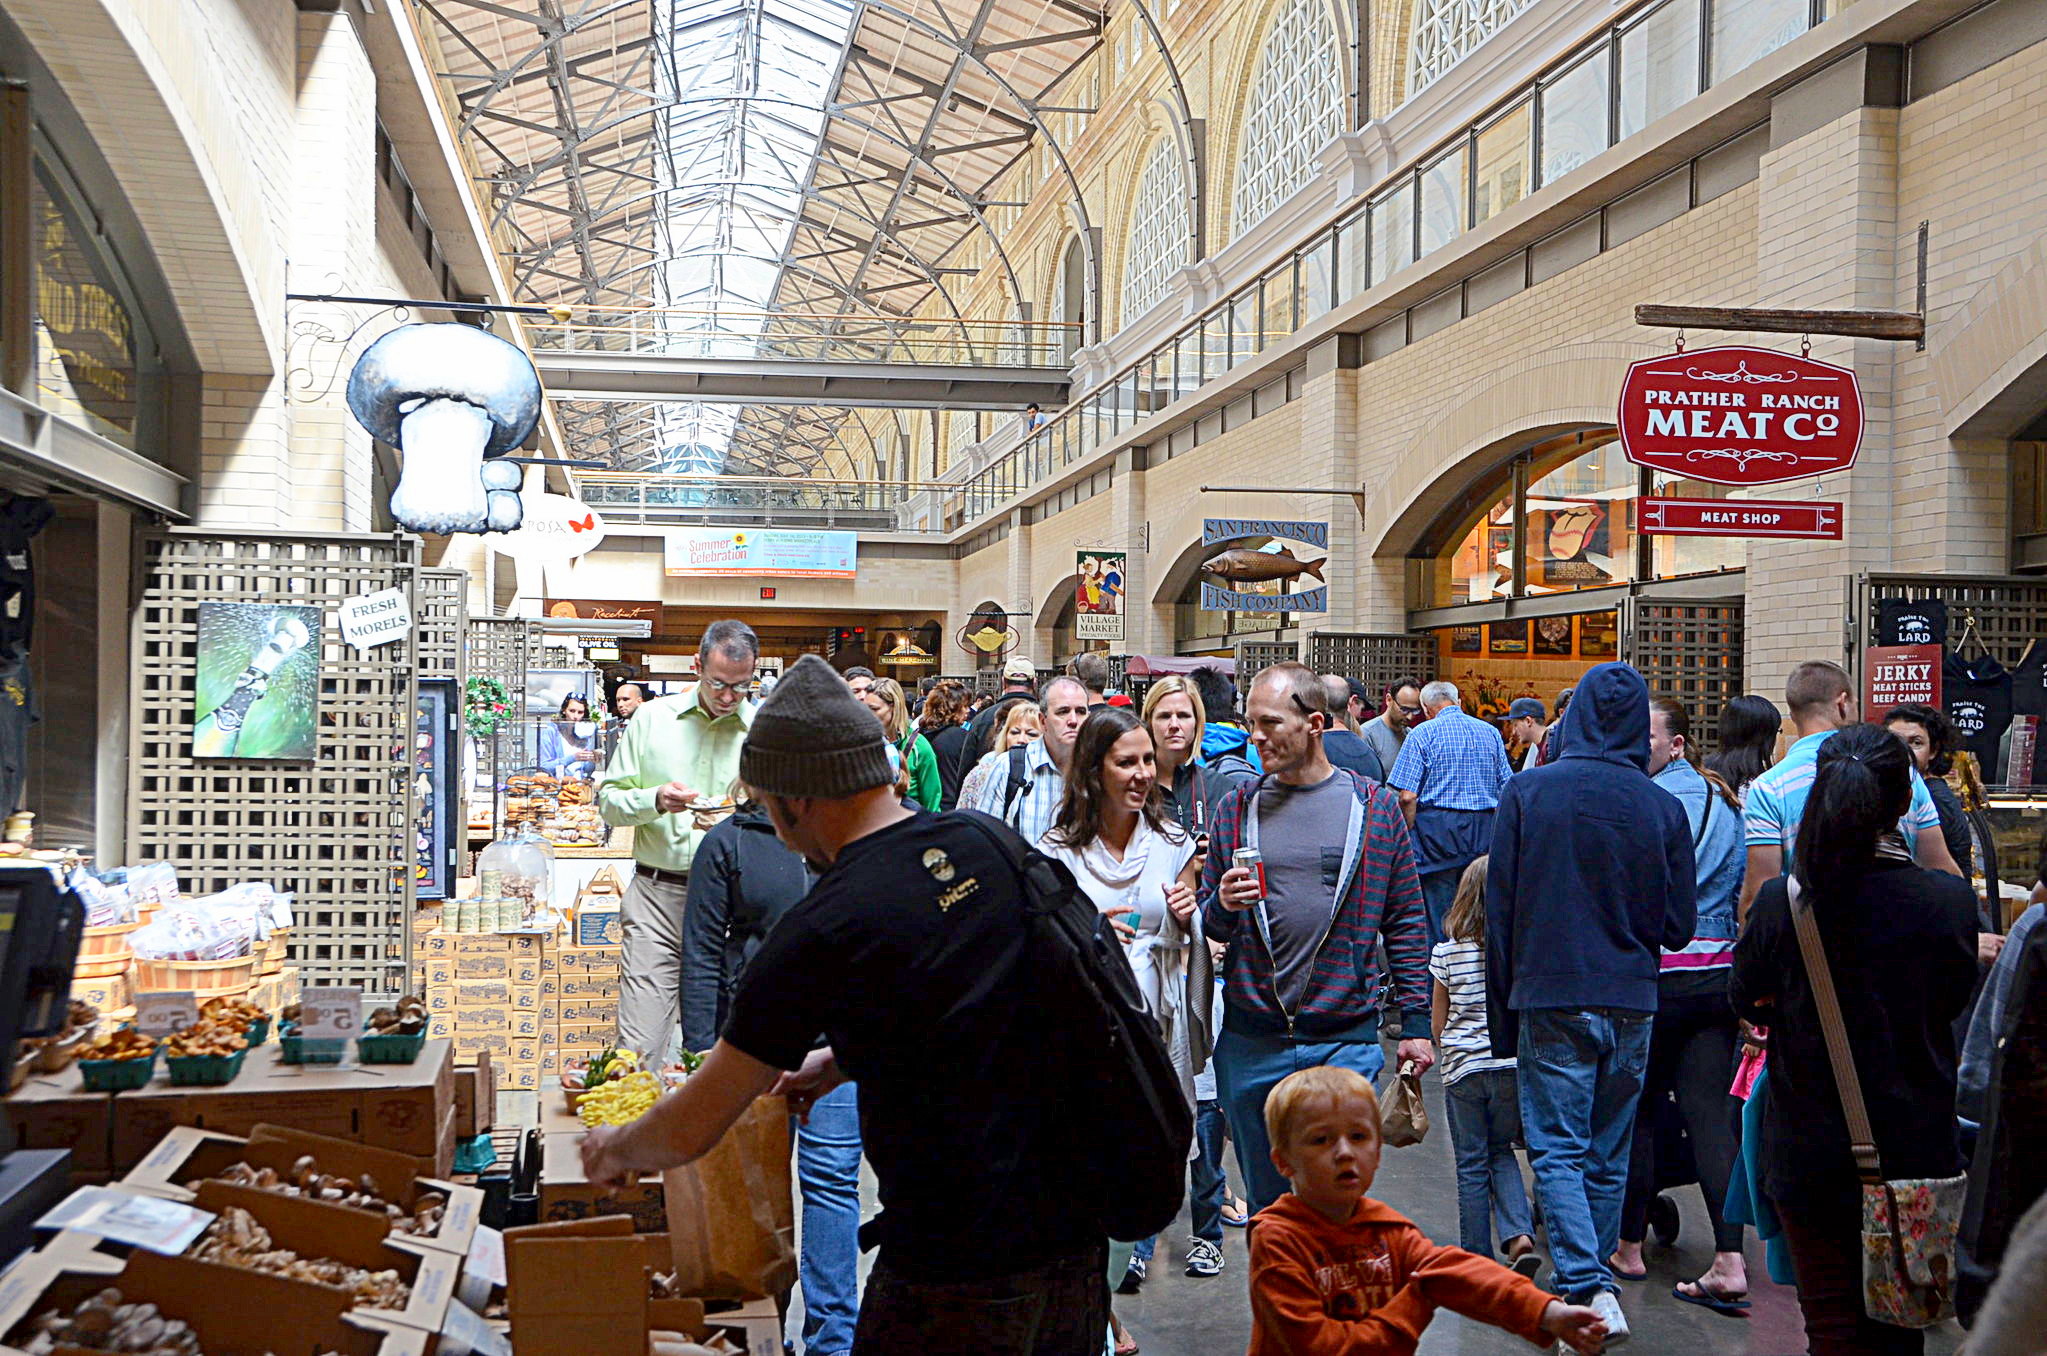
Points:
[676,751]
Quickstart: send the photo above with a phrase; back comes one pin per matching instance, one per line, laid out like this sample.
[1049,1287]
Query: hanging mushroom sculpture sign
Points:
[452,399]
[1740,416]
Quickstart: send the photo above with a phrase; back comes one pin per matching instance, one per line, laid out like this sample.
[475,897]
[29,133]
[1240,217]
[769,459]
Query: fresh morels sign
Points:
[1740,415]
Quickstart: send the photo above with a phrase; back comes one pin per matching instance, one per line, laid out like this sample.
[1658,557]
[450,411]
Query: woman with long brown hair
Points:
[884,697]
[943,723]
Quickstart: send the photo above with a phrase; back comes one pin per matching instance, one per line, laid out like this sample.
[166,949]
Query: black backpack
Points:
[1116,1062]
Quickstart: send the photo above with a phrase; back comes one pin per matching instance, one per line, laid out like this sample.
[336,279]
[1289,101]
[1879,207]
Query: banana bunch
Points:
[621,1100]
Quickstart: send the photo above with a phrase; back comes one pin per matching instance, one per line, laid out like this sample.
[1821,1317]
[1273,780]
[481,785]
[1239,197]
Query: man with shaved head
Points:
[1300,984]
[1340,741]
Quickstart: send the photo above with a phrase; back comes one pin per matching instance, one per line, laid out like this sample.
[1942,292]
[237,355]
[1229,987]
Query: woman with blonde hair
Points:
[1178,721]
[1018,722]
[884,697]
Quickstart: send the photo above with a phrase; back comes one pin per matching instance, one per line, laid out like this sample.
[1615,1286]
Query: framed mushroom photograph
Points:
[257,691]
[1598,635]
[1507,637]
[1467,640]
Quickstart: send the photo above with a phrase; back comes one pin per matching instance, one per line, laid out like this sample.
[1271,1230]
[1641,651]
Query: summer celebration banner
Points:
[722,553]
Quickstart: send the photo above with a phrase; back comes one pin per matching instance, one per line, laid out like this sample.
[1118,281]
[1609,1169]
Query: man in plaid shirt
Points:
[1449,776]
[1300,983]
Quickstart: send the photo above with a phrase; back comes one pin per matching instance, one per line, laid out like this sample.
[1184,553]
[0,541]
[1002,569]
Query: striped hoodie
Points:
[1379,894]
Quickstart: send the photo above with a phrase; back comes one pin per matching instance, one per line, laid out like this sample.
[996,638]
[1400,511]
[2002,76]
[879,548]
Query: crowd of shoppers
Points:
[1589,920]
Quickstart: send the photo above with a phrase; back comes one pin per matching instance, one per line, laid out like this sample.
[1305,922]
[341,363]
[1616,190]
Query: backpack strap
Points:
[1861,1138]
[1704,819]
[1019,780]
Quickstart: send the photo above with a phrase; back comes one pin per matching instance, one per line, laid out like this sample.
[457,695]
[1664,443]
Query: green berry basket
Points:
[117,1075]
[259,1031]
[391,1049]
[311,1050]
[204,1071]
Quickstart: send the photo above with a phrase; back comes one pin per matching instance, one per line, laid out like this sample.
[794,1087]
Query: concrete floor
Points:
[1179,1315]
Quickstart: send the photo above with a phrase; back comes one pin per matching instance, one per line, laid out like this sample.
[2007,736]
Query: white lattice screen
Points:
[1446,31]
[335,830]
[1295,107]
[1157,245]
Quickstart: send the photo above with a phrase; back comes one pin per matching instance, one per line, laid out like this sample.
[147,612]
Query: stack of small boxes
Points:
[525,999]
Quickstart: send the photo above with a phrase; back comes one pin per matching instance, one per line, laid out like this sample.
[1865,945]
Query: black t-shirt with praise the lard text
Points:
[907,956]
[1977,696]
[1911,621]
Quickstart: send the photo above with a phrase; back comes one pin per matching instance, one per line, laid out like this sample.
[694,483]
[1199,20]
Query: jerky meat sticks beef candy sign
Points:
[1740,416]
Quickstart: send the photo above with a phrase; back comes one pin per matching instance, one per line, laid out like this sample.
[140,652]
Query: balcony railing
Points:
[1649,60]
[631,497]
[703,333]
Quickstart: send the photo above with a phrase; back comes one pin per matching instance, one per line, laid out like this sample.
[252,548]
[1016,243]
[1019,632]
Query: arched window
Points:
[1445,31]
[1157,243]
[1296,106]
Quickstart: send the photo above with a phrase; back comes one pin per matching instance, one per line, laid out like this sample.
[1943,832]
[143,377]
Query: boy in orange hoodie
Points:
[1335,1273]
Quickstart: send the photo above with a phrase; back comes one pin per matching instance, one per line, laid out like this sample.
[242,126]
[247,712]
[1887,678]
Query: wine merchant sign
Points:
[1740,415]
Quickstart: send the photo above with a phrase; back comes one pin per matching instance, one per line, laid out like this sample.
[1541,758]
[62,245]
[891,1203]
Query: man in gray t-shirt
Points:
[1301,834]
[1387,730]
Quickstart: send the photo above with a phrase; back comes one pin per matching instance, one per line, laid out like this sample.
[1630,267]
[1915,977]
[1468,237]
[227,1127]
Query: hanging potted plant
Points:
[486,706]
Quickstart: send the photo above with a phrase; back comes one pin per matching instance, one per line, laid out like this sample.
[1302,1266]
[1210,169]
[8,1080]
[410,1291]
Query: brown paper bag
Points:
[1403,1120]
[732,1213]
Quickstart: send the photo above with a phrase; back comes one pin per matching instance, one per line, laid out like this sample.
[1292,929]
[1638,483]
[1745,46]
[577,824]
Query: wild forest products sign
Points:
[1740,416]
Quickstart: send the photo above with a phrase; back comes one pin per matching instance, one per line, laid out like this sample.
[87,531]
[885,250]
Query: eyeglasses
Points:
[721,688]
[1409,710]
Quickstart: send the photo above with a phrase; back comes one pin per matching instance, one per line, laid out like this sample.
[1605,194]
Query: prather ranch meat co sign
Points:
[1740,416]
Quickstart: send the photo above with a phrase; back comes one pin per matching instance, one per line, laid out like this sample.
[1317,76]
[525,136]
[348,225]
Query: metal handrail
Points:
[685,332]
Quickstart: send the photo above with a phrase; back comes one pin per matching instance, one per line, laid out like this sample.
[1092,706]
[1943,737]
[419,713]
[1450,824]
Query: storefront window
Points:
[86,364]
[1579,518]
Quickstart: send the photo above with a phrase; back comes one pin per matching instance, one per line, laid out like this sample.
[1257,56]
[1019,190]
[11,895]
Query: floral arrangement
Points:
[486,706]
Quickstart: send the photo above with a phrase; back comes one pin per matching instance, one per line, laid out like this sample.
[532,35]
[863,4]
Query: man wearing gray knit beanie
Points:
[907,957]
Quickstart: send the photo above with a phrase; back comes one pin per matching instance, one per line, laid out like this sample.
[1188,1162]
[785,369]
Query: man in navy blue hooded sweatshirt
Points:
[1590,876]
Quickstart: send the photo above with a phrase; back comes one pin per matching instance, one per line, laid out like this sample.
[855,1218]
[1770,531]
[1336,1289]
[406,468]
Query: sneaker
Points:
[1204,1258]
[1132,1278]
[1608,1306]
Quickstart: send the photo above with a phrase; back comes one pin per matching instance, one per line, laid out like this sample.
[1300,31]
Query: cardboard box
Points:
[230,1309]
[470,1045]
[534,944]
[550,982]
[602,960]
[356,1237]
[526,1027]
[491,965]
[280,990]
[492,993]
[105,993]
[575,1286]
[525,969]
[551,1011]
[589,1012]
[476,1097]
[440,972]
[440,998]
[57,1113]
[497,1017]
[596,925]
[459,944]
[582,1035]
[187,1157]
[523,1077]
[525,997]
[566,1195]
[589,984]
[440,1026]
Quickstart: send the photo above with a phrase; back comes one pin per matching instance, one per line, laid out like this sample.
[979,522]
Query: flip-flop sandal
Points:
[1621,1275]
[1127,1347]
[1235,1218]
[1526,1264]
[1730,1305]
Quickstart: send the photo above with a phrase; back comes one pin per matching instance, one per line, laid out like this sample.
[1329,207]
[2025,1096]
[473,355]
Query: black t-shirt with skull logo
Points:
[1911,621]
[1976,695]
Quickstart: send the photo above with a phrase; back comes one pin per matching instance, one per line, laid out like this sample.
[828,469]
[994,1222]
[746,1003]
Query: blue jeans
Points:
[1249,1067]
[1208,1189]
[828,1170]
[1485,1120]
[1581,1073]
[1439,892]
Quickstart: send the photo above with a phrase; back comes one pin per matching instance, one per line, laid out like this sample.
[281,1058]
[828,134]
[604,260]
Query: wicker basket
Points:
[203,979]
[56,1056]
[275,953]
[103,952]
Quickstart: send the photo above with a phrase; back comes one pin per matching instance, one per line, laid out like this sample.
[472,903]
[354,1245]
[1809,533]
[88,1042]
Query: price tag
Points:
[164,1014]
[330,1014]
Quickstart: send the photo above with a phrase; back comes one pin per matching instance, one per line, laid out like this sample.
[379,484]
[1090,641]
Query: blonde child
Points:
[1480,1092]
[1334,1271]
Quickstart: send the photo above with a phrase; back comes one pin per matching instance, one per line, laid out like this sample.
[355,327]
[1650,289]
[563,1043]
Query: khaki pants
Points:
[650,989]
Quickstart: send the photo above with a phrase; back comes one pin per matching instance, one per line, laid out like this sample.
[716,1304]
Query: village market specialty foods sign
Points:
[1740,415]
[717,553]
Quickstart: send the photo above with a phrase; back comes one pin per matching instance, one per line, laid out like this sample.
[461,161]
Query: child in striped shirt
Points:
[1479,1090]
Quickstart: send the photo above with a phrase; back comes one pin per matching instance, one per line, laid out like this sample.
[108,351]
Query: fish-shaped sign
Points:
[1250,567]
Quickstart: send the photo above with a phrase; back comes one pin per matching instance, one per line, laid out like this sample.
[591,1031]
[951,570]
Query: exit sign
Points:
[767,595]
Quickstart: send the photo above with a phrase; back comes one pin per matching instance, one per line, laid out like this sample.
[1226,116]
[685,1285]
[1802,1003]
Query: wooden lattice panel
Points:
[1256,655]
[1689,651]
[333,831]
[2010,613]
[1374,659]
[439,610]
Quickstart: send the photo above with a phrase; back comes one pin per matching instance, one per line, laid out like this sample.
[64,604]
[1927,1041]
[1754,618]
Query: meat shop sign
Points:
[1740,416]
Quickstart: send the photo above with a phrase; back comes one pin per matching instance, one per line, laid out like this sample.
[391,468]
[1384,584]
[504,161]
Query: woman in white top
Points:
[1138,867]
